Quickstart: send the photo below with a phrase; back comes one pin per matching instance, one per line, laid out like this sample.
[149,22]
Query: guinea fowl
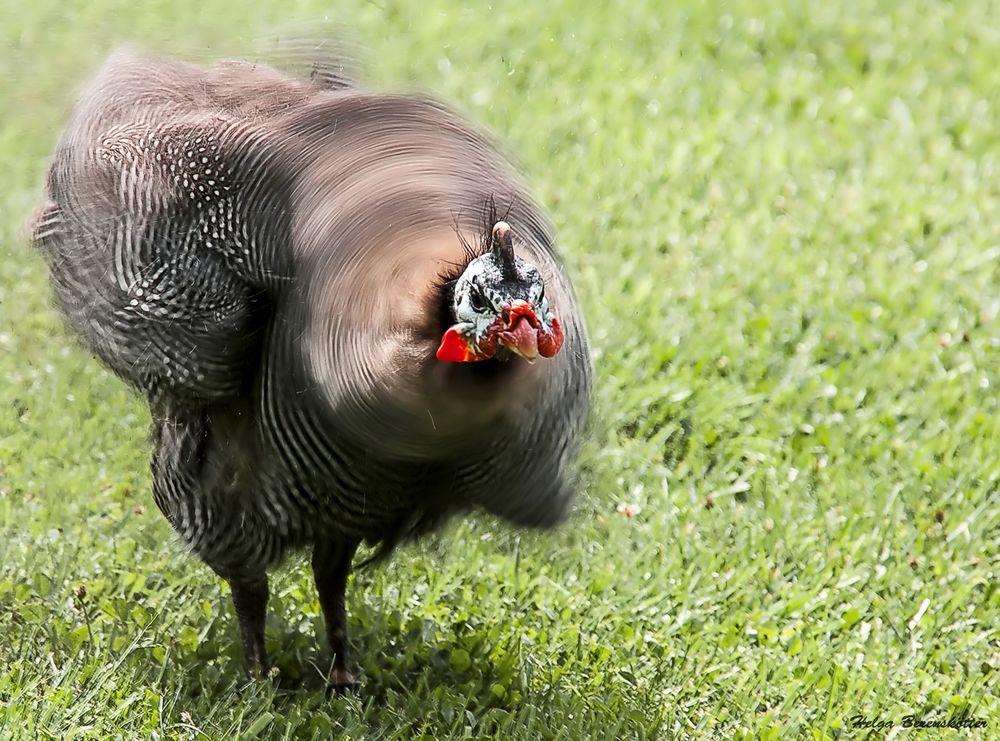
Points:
[333,301]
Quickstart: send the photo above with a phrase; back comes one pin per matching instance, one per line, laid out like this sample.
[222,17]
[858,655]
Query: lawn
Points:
[783,221]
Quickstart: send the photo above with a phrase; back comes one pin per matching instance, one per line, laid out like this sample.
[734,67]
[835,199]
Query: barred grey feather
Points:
[262,258]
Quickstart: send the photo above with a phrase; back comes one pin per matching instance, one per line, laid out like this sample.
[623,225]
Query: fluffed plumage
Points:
[271,262]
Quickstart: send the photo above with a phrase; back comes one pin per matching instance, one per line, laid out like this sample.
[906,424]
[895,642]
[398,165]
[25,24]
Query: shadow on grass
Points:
[425,661]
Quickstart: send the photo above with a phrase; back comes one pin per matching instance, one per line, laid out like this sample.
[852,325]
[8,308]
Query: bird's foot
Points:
[259,668]
[341,681]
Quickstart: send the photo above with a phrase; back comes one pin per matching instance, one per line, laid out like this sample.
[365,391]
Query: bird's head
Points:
[498,306]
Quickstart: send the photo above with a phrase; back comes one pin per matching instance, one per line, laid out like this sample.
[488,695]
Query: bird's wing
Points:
[157,256]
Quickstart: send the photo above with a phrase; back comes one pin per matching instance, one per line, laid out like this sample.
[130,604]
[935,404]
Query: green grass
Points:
[783,220]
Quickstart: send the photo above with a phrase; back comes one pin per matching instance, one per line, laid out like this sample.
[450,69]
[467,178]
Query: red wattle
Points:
[550,342]
[454,348]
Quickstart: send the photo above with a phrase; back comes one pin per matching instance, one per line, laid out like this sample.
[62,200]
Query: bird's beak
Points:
[519,333]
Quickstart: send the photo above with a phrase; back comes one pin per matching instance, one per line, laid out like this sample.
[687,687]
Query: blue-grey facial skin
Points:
[482,292]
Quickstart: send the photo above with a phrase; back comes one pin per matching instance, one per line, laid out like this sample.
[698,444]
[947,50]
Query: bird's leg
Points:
[331,562]
[181,439]
[250,599]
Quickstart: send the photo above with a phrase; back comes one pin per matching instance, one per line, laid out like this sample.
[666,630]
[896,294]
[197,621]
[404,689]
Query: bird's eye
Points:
[477,301]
